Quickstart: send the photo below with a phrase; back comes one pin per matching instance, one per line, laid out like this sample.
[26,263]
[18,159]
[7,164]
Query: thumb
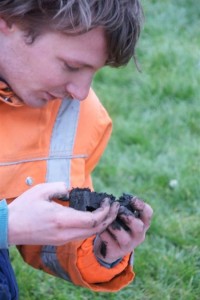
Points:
[51,190]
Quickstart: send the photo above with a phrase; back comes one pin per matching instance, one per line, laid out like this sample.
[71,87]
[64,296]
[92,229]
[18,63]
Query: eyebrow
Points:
[79,62]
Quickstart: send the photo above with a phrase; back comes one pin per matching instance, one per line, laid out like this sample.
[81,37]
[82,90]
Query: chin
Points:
[36,103]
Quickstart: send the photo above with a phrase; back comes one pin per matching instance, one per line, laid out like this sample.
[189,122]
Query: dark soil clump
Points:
[85,200]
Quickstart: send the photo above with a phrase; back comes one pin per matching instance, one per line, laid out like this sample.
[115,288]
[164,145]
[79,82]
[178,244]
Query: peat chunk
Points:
[85,200]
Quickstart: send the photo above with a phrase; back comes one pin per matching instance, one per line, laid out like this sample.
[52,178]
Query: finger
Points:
[133,225]
[144,209]
[120,237]
[136,205]
[108,217]
[81,232]
[100,218]
[71,235]
[146,215]
[122,218]
[50,190]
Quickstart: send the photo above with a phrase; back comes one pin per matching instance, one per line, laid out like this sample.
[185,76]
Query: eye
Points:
[71,68]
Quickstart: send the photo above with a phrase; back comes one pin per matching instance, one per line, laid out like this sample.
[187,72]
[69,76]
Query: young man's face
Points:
[55,65]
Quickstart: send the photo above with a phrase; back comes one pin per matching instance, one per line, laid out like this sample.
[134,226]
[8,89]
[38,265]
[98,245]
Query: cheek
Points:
[51,75]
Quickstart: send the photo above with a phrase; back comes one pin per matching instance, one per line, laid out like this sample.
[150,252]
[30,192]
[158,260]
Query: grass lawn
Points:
[156,139]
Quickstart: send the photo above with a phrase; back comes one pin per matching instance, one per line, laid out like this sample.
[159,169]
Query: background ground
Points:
[156,138]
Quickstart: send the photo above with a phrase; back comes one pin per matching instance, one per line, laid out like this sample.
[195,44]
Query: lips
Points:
[51,97]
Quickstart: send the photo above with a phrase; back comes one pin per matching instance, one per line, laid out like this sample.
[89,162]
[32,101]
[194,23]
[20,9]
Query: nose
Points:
[79,89]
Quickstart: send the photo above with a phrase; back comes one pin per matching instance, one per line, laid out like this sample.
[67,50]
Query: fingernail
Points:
[117,205]
[105,202]
[139,204]
[121,209]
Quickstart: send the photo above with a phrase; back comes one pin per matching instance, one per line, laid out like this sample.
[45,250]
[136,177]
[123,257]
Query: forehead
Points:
[90,46]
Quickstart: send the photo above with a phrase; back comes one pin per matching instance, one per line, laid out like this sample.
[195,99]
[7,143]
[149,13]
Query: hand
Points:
[35,219]
[115,242]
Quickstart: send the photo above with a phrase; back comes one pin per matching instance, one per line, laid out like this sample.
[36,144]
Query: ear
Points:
[5,27]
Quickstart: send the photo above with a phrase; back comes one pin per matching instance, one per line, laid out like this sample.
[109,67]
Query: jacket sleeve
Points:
[100,278]
[75,261]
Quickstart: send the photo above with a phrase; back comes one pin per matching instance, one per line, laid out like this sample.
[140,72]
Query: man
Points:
[52,140]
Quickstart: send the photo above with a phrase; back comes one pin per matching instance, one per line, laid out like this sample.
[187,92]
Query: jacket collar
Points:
[7,95]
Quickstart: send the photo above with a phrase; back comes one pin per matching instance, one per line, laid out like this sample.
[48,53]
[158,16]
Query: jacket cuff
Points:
[3,224]
[108,265]
[92,270]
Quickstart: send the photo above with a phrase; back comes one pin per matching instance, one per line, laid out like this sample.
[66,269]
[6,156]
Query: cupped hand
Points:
[117,241]
[35,219]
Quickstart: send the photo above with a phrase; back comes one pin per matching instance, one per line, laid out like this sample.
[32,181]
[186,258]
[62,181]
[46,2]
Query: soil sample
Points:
[85,200]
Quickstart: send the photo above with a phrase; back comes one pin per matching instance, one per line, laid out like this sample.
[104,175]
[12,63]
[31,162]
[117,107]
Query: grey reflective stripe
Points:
[62,142]
[61,146]
[49,259]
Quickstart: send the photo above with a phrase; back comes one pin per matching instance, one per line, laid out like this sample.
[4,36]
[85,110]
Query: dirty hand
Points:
[115,242]
[35,219]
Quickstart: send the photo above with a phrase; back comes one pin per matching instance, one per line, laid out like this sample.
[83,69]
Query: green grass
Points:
[156,138]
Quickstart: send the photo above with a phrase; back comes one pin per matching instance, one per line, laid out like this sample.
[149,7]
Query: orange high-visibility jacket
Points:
[62,141]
